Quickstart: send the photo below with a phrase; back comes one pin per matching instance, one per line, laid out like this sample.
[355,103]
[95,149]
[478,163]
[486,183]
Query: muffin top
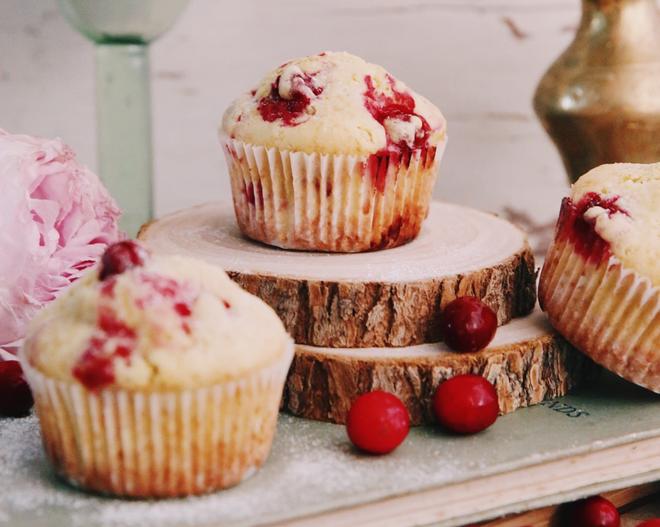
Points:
[334,103]
[142,321]
[622,203]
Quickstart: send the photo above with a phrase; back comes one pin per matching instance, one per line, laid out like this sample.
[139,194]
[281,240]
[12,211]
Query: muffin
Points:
[600,284]
[150,380]
[331,153]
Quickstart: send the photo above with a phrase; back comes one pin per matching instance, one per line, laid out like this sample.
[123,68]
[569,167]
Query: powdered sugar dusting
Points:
[313,468]
[28,485]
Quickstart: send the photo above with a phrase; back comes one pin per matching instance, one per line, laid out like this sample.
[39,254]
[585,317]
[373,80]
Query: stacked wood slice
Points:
[371,320]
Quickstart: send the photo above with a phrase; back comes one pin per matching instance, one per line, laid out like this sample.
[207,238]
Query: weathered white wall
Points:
[478,60]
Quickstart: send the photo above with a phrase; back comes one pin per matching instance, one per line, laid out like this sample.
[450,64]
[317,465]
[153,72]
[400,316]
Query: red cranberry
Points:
[398,105]
[468,324]
[653,522]
[378,422]
[573,226]
[15,395]
[95,371]
[274,107]
[466,404]
[121,256]
[595,512]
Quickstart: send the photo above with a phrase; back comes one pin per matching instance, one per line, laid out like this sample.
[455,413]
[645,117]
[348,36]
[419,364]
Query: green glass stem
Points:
[124,129]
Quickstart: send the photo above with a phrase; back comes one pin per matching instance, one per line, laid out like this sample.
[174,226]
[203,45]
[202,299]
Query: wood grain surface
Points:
[527,363]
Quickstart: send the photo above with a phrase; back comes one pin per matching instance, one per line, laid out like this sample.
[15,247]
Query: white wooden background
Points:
[478,60]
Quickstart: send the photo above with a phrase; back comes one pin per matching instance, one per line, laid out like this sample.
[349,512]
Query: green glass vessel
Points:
[121,31]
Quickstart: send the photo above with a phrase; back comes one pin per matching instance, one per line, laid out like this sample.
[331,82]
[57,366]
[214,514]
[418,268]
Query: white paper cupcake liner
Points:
[335,203]
[159,444]
[606,310]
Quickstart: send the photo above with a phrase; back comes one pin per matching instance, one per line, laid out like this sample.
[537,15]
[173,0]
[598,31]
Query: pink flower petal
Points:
[56,220]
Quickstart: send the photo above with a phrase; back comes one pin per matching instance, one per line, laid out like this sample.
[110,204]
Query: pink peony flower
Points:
[56,218]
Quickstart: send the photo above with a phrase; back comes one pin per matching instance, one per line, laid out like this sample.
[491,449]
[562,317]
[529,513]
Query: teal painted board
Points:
[313,468]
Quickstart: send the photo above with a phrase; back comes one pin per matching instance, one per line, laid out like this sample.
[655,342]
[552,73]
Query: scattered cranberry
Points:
[378,422]
[466,404]
[15,395]
[595,512]
[121,256]
[468,324]
[653,522]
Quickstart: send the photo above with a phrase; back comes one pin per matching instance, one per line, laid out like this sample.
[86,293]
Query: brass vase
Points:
[600,100]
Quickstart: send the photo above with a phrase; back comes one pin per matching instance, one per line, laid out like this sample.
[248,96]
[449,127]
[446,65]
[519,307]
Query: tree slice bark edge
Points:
[372,314]
[322,386]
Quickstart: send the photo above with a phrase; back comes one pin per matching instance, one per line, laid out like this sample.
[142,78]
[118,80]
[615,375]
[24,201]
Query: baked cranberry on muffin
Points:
[149,379]
[600,284]
[332,153]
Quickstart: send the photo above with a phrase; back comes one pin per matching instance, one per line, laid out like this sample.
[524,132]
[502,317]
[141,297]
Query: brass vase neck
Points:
[613,9]
[619,31]
[612,4]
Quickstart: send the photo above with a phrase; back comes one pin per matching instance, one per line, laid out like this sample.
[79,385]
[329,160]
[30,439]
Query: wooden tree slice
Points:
[377,299]
[527,362]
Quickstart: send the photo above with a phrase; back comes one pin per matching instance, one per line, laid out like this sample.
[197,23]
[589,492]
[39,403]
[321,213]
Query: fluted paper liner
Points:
[159,444]
[335,203]
[608,311]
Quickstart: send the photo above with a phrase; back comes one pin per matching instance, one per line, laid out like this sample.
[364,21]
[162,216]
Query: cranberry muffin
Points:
[332,153]
[600,284]
[149,379]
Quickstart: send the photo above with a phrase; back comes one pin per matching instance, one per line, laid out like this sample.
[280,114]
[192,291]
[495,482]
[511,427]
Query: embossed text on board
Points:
[566,409]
